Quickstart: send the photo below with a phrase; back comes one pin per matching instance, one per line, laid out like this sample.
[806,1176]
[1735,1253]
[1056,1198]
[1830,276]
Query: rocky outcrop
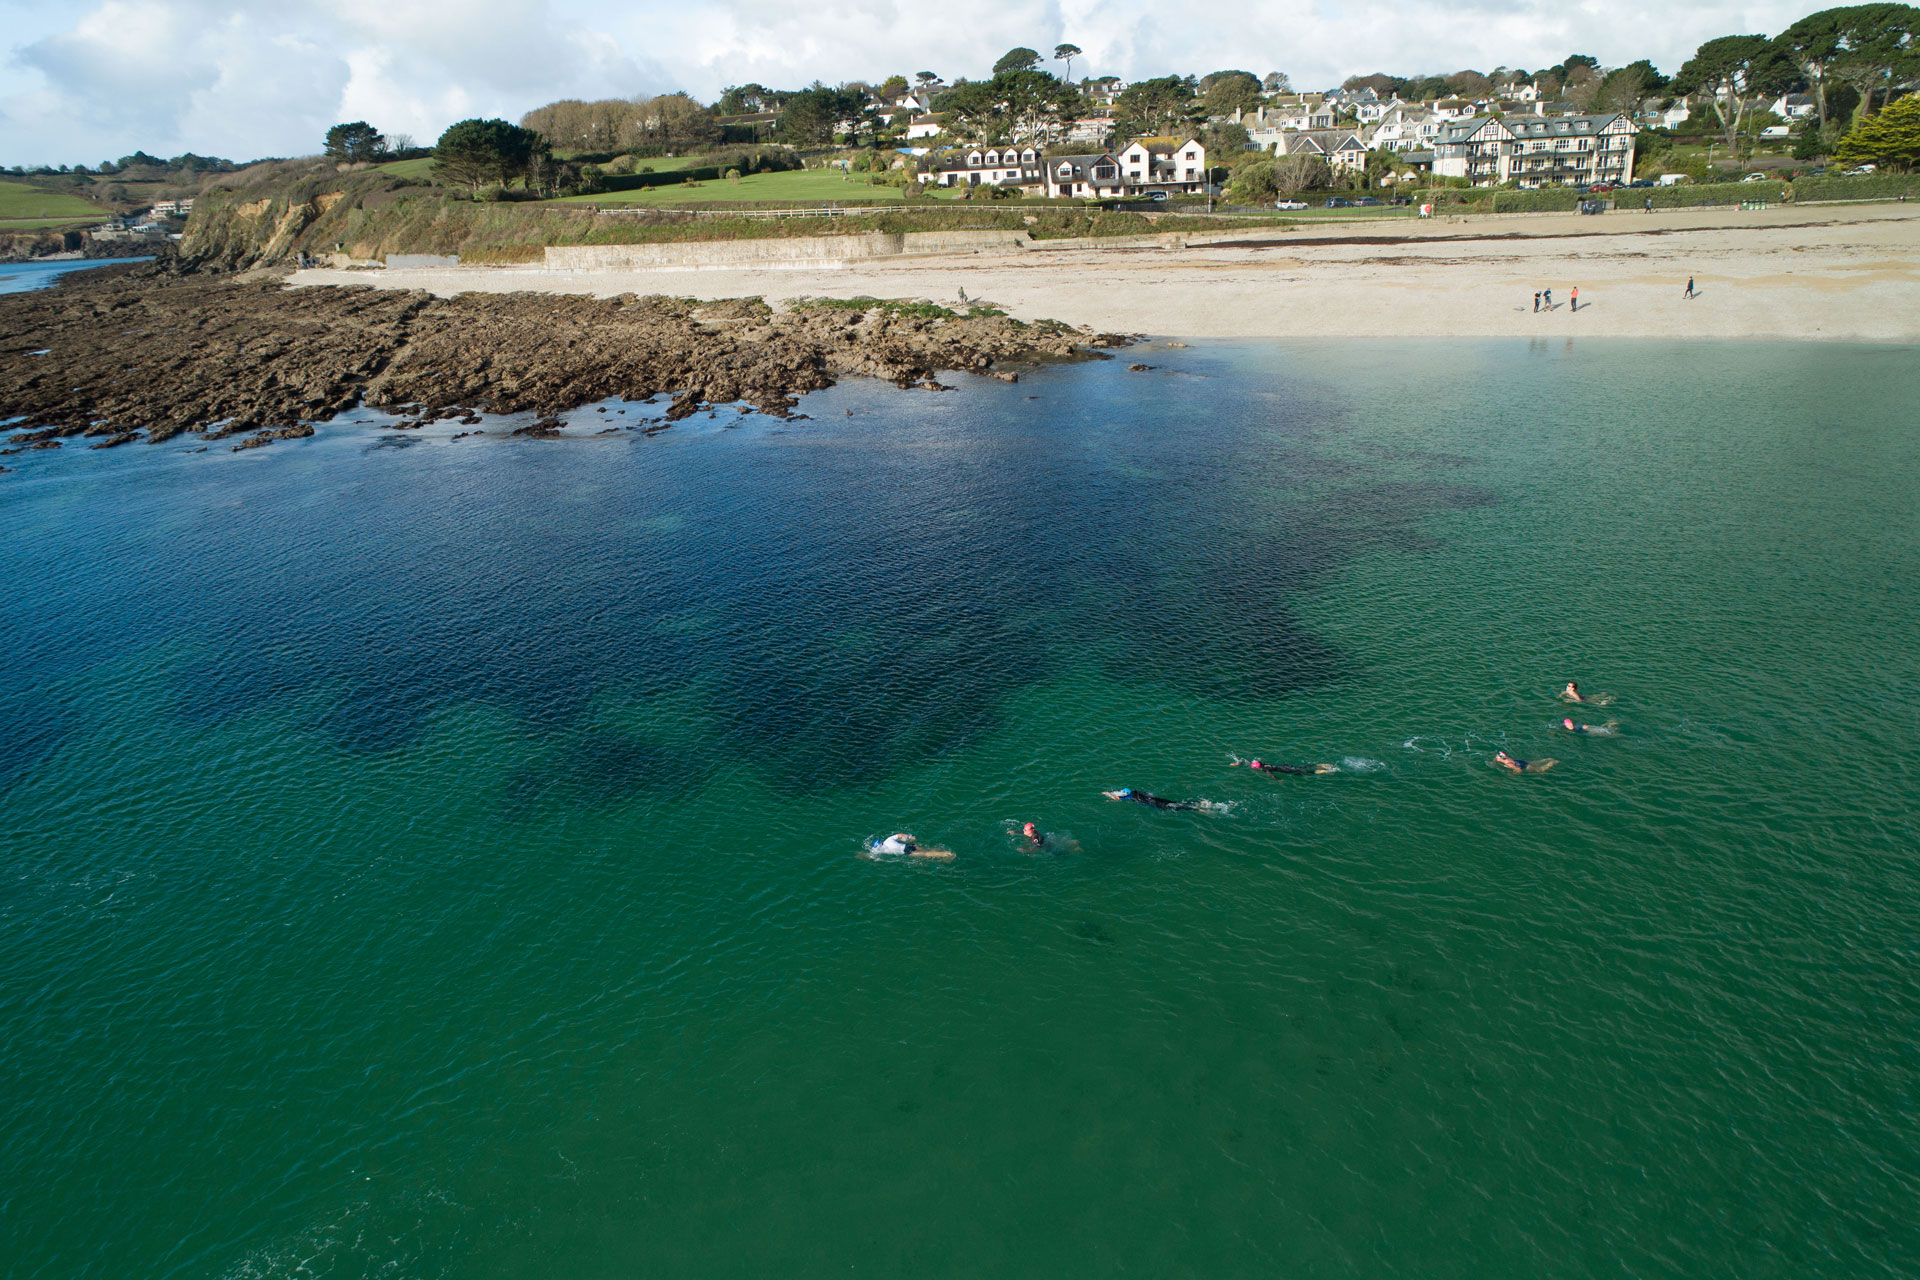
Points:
[154,350]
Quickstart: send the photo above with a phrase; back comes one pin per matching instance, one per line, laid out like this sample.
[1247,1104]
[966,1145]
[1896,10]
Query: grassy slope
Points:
[421,169]
[799,186]
[20,201]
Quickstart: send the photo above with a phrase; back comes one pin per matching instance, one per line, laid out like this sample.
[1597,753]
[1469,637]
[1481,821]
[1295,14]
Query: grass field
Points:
[421,168]
[799,186]
[21,203]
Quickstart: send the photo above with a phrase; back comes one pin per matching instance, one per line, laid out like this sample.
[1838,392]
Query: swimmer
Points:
[1506,761]
[1034,836]
[1157,802]
[902,843]
[1604,730]
[1293,769]
[1572,694]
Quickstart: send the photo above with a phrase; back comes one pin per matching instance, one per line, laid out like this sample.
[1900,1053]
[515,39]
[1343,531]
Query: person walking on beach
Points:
[1649,204]
[1576,297]
[1689,292]
[1536,302]
[1548,295]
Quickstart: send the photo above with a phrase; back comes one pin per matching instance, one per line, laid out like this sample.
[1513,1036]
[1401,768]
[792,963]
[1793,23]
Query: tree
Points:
[926,78]
[1277,82]
[1626,87]
[1299,172]
[1016,60]
[1890,140]
[813,115]
[1066,53]
[892,90]
[1023,105]
[355,143]
[1729,69]
[1226,140]
[1254,183]
[1225,92]
[1164,105]
[474,153]
[1878,51]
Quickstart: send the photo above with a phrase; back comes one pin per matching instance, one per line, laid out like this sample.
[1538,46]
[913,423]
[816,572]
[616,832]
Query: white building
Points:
[1794,106]
[924,127]
[1341,148]
[1406,127]
[1007,166]
[1165,164]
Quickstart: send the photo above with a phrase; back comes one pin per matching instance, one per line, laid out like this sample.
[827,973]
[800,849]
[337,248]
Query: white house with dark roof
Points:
[1010,165]
[1164,164]
[1091,176]
[1406,126]
[1341,148]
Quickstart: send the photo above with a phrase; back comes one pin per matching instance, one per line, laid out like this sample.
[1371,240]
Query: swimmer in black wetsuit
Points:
[1293,769]
[1148,798]
[1602,730]
[1506,761]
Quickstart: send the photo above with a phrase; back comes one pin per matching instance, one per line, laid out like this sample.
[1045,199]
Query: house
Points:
[1165,164]
[1091,176]
[1375,111]
[1405,127]
[1794,106]
[999,166]
[1677,114]
[1450,109]
[1092,129]
[924,127]
[1342,148]
[1537,151]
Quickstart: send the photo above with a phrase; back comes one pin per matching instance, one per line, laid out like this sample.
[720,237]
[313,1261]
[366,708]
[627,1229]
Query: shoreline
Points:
[1830,272]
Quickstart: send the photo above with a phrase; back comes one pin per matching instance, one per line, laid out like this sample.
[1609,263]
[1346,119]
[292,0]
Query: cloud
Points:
[245,78]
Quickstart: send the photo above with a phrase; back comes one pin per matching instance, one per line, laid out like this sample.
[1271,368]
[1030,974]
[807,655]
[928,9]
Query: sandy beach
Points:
[1822,272]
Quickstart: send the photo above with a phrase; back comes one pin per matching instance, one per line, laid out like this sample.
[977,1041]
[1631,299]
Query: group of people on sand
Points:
[1543,300]
[903,844]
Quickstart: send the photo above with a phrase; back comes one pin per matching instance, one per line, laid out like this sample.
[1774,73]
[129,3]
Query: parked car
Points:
[1158,197]
[1860,169]
[1290,204]
[1642,182]
[1755,177]
[1599,187]
[1401,200]
[1339,202]
[1367,200]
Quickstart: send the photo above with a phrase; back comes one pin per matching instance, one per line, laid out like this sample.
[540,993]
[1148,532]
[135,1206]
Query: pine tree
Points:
[1890,140]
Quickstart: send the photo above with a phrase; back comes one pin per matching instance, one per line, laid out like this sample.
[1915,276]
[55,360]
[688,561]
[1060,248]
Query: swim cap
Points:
[1568,722]
[1125,792]
[1027,830]
[1253,764]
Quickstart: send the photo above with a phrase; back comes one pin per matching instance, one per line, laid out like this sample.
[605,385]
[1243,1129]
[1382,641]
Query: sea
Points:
[434,858]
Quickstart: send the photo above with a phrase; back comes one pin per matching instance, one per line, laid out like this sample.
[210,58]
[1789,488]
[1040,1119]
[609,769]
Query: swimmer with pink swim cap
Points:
[1295,770]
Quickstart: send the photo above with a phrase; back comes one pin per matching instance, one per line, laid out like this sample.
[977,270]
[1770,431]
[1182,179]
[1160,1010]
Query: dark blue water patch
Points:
[31,729]
[852,596]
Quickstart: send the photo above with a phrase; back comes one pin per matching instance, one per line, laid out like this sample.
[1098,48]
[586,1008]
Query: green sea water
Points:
[422,858]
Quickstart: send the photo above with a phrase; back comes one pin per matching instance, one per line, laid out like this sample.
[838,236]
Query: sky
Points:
[83,81]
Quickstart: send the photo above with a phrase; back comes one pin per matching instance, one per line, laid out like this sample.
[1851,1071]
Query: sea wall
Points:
[795,250]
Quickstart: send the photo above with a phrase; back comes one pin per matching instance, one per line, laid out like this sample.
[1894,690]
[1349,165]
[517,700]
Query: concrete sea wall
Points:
[792,251]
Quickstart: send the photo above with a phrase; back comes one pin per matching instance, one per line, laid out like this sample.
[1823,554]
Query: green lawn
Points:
[796,186]
[18,200]
[421,168]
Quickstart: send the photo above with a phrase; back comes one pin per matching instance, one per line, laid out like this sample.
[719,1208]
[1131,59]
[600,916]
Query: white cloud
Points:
[244,78]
